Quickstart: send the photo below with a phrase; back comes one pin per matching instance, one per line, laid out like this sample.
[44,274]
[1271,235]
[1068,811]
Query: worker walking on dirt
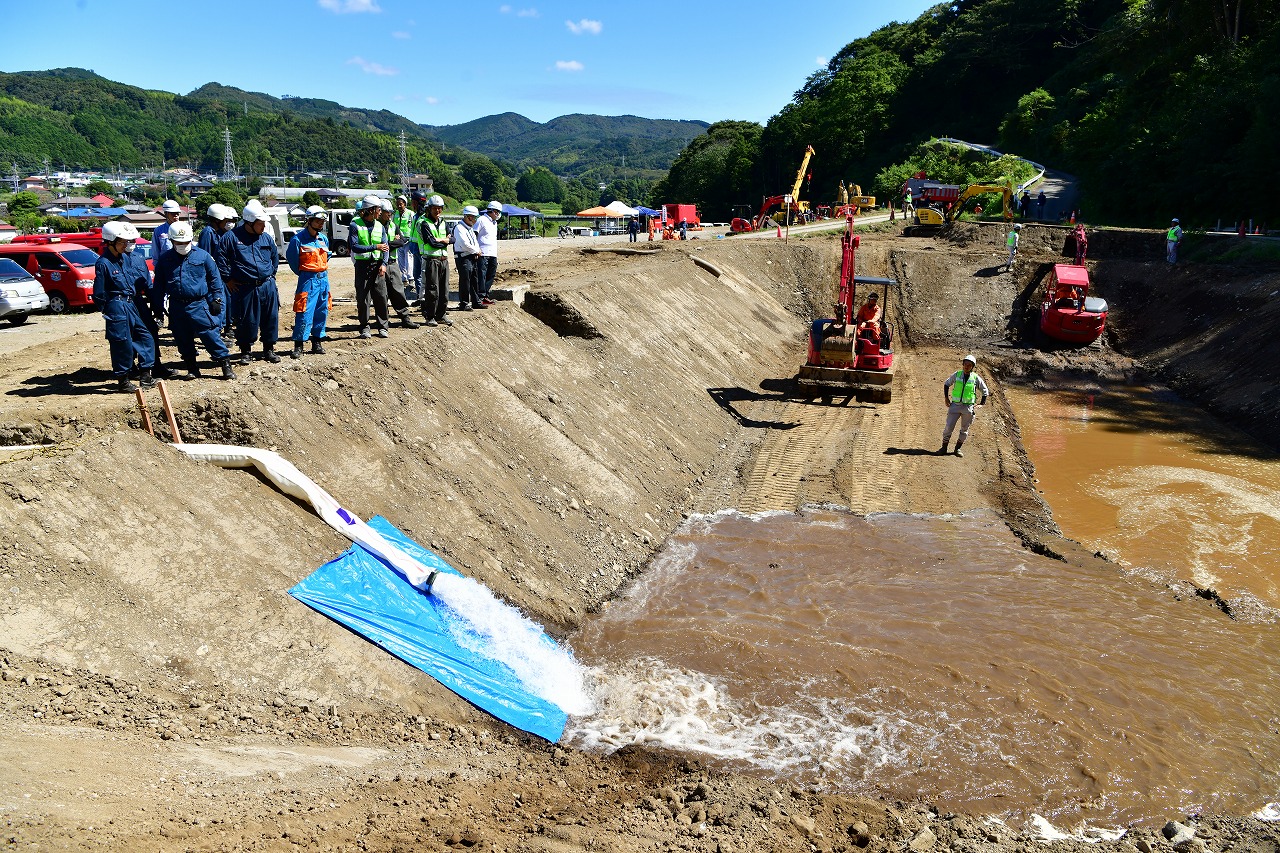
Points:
[1171,240]
[960,392]
[433,242]
[633,229]
[402,227]
[120,284]
[308,257]
[394,278]
[1011,242]
[370,251]
[188,276]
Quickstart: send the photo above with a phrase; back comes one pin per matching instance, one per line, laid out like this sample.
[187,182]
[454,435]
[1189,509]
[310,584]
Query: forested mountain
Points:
[80,120]
[576,145]
[1161,107]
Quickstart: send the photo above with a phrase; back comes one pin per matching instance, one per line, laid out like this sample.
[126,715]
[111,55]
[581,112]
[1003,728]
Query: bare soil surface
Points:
[161,691]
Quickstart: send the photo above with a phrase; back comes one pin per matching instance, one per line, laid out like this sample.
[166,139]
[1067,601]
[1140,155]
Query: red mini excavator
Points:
[848,358]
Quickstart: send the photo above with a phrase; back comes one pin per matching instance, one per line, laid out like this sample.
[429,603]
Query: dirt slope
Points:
[160,690]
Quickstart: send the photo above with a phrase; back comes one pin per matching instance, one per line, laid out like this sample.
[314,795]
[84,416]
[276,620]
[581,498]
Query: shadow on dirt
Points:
[85,380]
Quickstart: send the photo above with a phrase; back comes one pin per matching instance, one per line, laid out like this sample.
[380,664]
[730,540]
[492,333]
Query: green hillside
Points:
[588,146]
[1160,107]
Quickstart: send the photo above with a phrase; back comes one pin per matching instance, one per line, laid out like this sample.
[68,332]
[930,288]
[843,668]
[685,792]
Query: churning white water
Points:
[482,623]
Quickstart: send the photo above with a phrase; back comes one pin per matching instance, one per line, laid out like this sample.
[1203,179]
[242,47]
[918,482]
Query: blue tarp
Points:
[94,212]
[366,595]
[646,211]
[512,210]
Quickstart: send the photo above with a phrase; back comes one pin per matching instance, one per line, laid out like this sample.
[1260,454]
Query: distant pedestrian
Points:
[402,226]
[1040,199]
[308,257]
[487,236]
[160,243]
[433,241]
[960,394]
[684,229]
[370,251]
[188,276]
[1024,204]
[633,229]
[419,202]
[1082,243]
[908,204]
[247,260]
[466,259]
[1011,241]
[120,284]
[1171,240]
[394,283]
[221,219]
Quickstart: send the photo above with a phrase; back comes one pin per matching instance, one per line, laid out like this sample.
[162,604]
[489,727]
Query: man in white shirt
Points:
[487,236]
[466,257]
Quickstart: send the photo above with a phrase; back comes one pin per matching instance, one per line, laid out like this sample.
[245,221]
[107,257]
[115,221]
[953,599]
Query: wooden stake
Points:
[168,411]
[146,415]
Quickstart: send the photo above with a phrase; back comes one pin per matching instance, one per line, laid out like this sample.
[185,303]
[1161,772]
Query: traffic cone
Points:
[779,232]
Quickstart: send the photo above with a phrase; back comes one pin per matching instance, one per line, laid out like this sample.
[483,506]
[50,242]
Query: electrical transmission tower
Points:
[228,161]
[15,177]
[404,162]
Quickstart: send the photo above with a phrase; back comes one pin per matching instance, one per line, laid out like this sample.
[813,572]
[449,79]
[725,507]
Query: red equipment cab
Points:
[65,270]
[849,358]
[1067,311]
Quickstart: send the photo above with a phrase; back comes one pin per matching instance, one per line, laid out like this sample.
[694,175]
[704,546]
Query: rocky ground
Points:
[160,690]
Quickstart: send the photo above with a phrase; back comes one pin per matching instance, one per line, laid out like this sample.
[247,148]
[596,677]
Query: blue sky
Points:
[450,62]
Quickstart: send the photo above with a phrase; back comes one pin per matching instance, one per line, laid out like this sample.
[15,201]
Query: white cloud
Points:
[372,67]
[821,60]
[400,34]
[431,100]
[569,65]
[397,97]
[506,9]
[584,26]
[343,7]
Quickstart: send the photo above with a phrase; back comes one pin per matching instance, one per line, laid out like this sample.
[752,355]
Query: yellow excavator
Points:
[931,216]
[798,207]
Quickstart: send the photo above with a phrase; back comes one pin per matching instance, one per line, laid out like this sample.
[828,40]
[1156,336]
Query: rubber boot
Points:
[193,370]
[126,385]
[269,353]
[943,449]
[162,372]
[225,364]
[958,446]
[317,346]
[145,379]
[245,357]
[407,321]
[297,350]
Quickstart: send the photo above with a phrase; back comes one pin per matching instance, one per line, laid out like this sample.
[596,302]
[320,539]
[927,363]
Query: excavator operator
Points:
[868,318]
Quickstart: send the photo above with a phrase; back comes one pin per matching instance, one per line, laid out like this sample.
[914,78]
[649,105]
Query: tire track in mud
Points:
[790,454]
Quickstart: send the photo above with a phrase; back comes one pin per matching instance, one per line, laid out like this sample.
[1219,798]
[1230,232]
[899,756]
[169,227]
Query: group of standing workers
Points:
[226,284]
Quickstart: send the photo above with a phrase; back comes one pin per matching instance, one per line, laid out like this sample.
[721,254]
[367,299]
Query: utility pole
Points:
[228,161]
[404,163]
[15,176]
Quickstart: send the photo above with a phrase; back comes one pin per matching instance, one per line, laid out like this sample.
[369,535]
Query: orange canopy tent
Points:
[596,212]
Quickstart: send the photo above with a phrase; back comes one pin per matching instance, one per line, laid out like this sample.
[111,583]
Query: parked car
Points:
[21,294]
[91,239]
[64,269]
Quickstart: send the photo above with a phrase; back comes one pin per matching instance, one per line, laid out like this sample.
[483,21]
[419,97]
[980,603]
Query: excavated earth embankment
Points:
[160,690]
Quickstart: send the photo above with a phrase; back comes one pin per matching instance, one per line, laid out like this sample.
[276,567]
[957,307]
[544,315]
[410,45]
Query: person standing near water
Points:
[960,392]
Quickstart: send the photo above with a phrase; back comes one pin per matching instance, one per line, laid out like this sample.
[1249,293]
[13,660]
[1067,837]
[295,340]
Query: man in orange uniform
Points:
[308,257]
[868,319]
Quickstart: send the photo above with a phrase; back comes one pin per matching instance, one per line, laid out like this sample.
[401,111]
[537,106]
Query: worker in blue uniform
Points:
[119,290]
[188,276]
[247,260]
[308,257]
[221,219]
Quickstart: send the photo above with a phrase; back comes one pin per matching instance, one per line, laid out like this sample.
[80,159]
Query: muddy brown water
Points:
[1159,486]
[934,658]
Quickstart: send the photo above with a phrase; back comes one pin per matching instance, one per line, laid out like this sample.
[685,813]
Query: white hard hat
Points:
[495,205]
[171,206]
[219,212]
[253,211]
[180,232]
[315,211]
[113,231]
[372,200]
[387,205]
[435,201]
[470,210]
[971,358]
[1018,227]
[402,197]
